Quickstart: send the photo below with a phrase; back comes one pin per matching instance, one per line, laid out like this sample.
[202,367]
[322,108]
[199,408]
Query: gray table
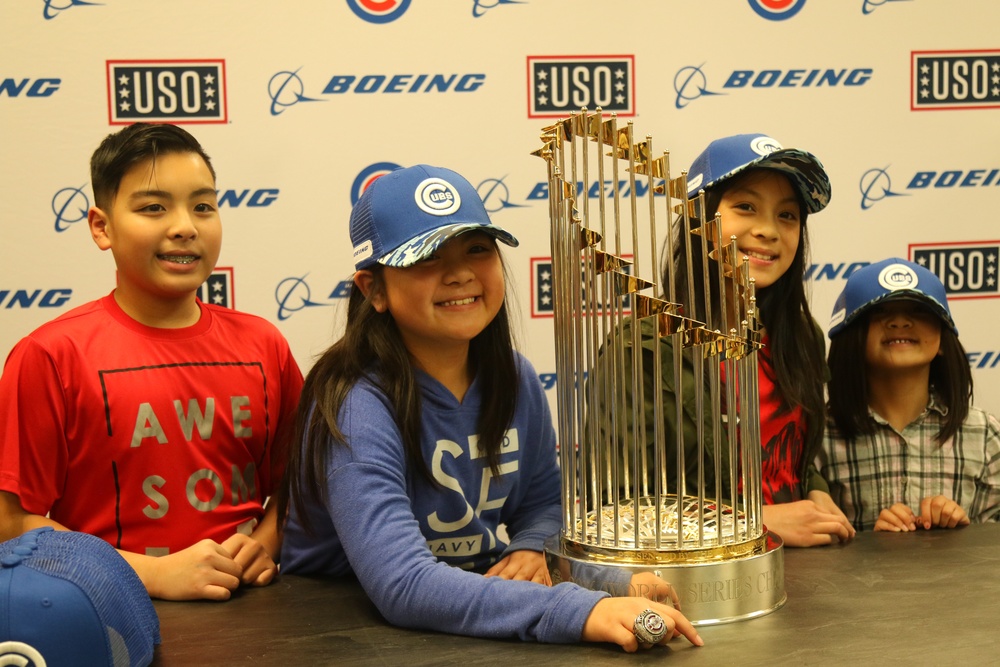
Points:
[917,599]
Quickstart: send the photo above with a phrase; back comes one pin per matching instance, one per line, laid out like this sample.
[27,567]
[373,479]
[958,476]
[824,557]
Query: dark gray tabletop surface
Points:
[924,598]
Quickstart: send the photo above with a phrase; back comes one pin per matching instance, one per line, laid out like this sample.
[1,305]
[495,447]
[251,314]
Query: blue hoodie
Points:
[418,550]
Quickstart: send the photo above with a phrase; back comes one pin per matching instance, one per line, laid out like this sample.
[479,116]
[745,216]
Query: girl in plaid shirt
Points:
[904,448]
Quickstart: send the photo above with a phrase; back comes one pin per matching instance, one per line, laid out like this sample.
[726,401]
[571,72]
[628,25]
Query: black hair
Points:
[122,150]
[950,380]
[795,344]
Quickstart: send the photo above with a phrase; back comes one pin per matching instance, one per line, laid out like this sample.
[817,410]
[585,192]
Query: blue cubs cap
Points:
[889,280]
[69,598]
[727,157]
[407,214]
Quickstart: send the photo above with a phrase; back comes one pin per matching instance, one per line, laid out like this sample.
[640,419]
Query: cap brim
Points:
[900,295]
[806,172]
[803,169]
[423,246]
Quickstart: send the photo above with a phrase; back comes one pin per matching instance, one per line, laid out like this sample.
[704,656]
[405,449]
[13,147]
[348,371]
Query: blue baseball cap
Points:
[407,214]
[69,598]
[889,280]
[727,157]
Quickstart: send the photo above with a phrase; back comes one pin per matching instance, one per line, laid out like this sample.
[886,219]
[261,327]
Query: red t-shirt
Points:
[782,437]
[151,439]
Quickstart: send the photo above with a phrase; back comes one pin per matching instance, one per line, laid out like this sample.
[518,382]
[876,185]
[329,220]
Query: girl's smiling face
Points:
[447,299]
[761,210]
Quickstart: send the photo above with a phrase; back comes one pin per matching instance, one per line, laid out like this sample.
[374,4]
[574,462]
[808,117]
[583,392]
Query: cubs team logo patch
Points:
[167,91]
[437,197]
[897,277]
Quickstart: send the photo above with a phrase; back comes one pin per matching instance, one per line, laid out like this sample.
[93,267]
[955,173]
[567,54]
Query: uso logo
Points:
[954,80]
[378,11]
[968,270]
[218,288]
[167,91]
[542,283]
[558,85]
[777,10]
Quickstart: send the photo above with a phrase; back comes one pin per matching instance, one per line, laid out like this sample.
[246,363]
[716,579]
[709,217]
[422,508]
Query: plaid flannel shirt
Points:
[873,472]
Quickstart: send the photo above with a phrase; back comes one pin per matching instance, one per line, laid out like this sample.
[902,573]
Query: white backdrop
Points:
[301,103]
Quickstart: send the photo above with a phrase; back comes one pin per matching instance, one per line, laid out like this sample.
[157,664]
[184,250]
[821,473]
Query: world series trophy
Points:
[684,502]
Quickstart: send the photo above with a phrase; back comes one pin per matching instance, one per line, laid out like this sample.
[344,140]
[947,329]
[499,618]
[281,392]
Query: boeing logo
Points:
[286,89]
[51,9]
[480,7]
[868,6]
[549,380]
[602,189]
[294,294]
[828,271]
[251,198]
[690,83]
[51,298]
[30,88]
[495,195]
[984,359]
[69,205]
[876,184]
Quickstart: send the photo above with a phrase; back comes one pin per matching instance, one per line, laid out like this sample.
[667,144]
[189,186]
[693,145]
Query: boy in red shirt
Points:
[148,418]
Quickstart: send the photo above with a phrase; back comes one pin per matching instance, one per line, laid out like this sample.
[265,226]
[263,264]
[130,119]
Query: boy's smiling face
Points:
[164,230]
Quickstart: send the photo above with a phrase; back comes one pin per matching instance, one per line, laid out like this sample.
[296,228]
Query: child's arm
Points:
[897,519]
[806,524]
[257,553]
[825,502]
[935,512]
[202,571]
[14,521]
[522,565]
[612,619]
[941,512]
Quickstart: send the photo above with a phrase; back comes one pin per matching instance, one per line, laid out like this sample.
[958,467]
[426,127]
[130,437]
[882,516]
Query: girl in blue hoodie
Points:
[423,431]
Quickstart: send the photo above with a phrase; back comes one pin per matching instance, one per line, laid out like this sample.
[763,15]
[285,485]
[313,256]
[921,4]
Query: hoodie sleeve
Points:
[373,514]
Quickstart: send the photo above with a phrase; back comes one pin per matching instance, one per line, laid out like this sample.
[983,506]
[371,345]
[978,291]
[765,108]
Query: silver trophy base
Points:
[710,592]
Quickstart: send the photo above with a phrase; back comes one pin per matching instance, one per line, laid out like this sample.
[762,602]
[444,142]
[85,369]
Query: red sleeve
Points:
[33,445]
